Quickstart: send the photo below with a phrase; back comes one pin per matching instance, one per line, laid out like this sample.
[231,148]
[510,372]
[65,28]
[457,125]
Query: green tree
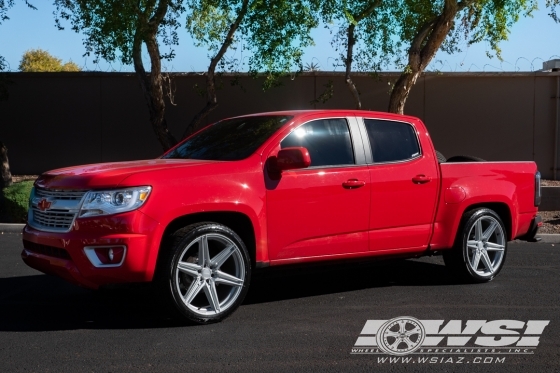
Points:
[273,31]
[38,60]
[363,35]
[117,30]
[428,26]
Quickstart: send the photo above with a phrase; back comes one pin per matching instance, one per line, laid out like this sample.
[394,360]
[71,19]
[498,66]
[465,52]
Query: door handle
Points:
[353,183]
[421,179]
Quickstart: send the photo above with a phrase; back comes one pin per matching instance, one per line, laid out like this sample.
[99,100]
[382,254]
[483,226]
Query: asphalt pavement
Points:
[293,320]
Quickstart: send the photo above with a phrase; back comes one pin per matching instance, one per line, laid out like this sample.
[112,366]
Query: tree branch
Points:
[211,96]
[366,12]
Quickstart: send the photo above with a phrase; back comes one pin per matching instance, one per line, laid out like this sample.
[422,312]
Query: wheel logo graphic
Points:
[401,336]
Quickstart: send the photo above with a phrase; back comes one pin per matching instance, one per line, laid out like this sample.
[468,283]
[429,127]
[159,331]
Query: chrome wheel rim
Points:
[210,274]
[486,245]
[401,336]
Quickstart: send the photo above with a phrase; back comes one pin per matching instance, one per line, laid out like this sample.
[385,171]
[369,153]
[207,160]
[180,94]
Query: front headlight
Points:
[107,202]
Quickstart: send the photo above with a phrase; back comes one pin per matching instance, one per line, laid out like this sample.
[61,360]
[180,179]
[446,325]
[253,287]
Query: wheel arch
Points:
[240,223]
[500,208]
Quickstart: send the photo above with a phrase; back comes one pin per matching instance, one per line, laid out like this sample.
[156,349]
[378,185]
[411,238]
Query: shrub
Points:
[14,201]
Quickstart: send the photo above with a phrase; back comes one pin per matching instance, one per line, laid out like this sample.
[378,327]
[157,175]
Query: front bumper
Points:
[63,255]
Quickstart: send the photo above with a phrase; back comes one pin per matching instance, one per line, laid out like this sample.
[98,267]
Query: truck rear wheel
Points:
[480,248]
[206,272]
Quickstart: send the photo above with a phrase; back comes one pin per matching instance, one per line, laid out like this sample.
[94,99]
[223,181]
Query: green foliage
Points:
[375,42]
[109,26]
[476,21]
[275,32]
[551,5]
[14,201]
[38,60]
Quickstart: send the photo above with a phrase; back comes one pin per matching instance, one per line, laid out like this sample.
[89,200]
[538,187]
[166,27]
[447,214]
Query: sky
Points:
[531,41]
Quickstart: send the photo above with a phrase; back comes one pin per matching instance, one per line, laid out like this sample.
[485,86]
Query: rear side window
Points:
[391,141]
[327,140]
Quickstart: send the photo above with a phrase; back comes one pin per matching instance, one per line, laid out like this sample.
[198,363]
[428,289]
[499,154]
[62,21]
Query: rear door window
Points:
[327,140]
[391,141]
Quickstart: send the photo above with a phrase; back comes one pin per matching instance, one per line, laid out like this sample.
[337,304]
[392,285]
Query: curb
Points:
[11,228]
[549,238]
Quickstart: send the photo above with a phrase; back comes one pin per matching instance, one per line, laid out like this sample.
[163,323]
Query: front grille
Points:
[60,212]
[73,195]
[53,219]
[52,251]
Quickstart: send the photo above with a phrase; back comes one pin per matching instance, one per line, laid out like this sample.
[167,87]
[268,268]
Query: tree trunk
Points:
[152,84]
[350,50]
[6,175]
[211,96]
[422,50]
[349,55]
[401,90]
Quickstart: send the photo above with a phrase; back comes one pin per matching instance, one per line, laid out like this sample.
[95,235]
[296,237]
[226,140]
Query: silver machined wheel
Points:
[210,274]
[486,244]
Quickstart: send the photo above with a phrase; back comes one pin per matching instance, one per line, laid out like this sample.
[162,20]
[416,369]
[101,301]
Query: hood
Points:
[107,175]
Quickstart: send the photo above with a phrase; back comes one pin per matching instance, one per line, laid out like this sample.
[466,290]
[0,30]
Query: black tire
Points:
[464,158]
[440,157]
[461,259]
[207,277]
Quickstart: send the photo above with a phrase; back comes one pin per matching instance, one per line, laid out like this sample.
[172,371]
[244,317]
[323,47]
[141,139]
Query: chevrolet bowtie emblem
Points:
[44,204]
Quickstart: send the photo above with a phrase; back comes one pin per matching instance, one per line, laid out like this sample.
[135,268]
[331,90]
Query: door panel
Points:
[324,209]
[310,213]
[404,187]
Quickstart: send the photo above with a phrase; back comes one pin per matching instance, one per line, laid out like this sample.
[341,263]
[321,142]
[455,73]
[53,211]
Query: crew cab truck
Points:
[273,189]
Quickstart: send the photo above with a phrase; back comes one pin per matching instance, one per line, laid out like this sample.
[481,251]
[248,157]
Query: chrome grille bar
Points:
[60,217]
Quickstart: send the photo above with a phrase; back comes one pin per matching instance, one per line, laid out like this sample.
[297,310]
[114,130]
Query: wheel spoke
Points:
[203,253]
[396,343]
[487,263]
[227,279]
[408,342]
[220,259]
[472,244]
[193,290]
[478,230]
[488,232]
[416,330]
[390,333]
[475,260]
[491,246]
[402,326]
[212,295]
[190,269]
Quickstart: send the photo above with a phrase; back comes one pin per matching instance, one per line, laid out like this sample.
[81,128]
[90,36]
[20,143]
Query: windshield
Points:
[229,140]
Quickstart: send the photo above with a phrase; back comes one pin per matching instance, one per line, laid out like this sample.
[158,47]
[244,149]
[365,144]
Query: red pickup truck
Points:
[272,189]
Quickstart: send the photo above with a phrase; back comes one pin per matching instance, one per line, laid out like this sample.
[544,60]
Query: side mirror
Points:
[290,159]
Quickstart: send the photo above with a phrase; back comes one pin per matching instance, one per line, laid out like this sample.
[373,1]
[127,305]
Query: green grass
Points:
[14,201]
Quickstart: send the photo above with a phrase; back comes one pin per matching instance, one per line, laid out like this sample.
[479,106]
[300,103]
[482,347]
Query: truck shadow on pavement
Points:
[46,303]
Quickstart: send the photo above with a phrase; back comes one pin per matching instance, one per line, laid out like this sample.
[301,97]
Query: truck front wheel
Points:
[206,272]
[480,248]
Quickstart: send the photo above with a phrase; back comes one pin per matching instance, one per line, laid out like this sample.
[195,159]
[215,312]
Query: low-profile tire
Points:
[205,272]
[480,248]
[464,158]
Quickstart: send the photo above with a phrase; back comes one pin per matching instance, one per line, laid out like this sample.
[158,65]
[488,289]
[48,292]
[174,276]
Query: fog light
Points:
[105,256]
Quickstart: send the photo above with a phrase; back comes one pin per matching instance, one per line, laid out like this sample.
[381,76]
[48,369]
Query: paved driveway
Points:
[293,320]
